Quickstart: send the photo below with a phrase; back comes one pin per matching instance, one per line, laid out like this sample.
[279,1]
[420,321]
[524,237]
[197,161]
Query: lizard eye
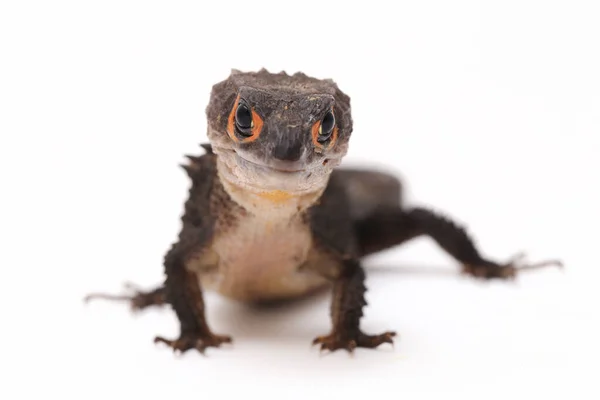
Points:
[243,124]
[243,120]
[326,127]
[324,132]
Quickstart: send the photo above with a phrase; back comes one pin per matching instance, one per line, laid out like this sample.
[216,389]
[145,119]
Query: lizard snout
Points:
[287,142]
[288,149]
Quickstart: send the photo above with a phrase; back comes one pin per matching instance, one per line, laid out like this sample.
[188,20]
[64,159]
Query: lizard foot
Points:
[194,341]
[335,341]
[137,298]
[491,270]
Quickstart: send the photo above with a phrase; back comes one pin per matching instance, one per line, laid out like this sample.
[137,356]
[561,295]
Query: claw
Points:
[335,342]
[200,342]
[178,346]
[318,339]
[351,346]
[168,342]
[388,338]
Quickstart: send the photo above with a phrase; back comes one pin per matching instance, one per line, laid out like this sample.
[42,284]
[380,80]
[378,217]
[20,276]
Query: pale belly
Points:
[261,260]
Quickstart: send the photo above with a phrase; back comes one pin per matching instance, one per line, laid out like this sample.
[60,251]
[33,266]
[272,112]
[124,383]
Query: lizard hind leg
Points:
[391,226]
[137,298]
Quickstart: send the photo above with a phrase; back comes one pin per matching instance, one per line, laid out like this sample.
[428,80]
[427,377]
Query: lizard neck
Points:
[270,204]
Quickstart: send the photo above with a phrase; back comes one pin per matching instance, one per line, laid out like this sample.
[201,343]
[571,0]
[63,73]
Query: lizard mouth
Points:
[248,171]
[290,168]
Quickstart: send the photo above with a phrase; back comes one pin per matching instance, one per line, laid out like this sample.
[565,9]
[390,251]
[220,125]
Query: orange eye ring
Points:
[315,135]
[257,124]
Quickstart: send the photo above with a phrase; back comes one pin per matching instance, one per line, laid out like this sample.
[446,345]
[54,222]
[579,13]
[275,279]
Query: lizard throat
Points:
[266,201]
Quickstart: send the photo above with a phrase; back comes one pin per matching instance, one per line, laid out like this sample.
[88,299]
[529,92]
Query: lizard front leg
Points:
[346,312]
[183,292]
[390,226]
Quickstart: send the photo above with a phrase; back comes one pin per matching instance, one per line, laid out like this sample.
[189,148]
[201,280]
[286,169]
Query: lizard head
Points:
[278,135]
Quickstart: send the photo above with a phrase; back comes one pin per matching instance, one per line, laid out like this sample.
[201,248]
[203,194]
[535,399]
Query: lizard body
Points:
[254,256]
[270,216]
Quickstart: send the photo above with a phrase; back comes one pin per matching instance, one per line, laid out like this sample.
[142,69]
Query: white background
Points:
[489,110]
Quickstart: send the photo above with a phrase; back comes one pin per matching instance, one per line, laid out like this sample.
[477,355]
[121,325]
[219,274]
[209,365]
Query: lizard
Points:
[271,214]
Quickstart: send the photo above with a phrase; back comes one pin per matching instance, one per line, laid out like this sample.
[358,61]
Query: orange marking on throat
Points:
[277,196]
